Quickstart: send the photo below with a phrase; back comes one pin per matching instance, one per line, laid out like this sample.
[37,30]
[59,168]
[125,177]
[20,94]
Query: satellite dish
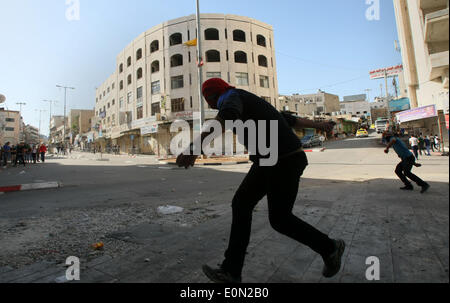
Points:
[2,98]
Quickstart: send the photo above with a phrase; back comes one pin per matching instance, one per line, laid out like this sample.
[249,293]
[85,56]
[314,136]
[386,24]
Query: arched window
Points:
[211,34]
[212,56]
[129,79]
[139,54]
[176,60]
[154,46]
[240,57]
[128,61]
[175,39]
[262,60]
[261,40]
[238,35]
[139,73]
[155,66]
[121,67]
[121,85]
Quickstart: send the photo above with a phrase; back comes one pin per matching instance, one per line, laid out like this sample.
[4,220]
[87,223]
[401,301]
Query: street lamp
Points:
[39,130]
[65,97]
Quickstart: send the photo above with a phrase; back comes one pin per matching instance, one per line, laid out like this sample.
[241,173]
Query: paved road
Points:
[349,191]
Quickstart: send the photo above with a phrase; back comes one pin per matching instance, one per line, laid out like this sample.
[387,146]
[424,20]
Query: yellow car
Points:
[362,133]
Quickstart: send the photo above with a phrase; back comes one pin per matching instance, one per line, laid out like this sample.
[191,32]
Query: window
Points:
[129,80]
[9,129]
[139,73]
[129,97]
[108,90]
[261,40]
[264,81]
[240,57]
[113,85]
[155,66]
[267,99]
[177,82]
[139,54]
[154,46]
[156,109]
[262,61]
[96,100]
[121,102]
[121,67]
[139,95]
[113,102]
[121,84]
[128,61]
[176,60]
[140,112]
[212,56]
[210,75]
[177,105]
[175,39]
[296,107]
[10,120]
[238,35]
[156,87]
[109,105]
[211,34]
[242,79]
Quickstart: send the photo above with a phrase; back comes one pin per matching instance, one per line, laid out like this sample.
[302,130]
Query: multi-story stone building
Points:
[156,82]
[56,129]
[423,30]
[10,126]
[356,105]
[317,104]
[31,134]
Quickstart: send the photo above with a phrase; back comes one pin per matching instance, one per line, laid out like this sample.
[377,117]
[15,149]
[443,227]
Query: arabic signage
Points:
[150,129]
[417,113]
[142,122]
[389,71]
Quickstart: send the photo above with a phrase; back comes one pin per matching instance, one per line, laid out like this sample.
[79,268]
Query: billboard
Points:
[399,105]
[417,113]
[390,71]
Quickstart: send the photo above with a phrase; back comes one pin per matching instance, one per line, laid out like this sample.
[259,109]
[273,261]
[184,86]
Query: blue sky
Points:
[325,44]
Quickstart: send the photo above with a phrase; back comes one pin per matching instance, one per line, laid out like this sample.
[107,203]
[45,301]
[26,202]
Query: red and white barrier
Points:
[32,186]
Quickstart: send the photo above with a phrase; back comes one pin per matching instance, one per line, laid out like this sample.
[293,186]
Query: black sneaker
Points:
[407,187]
[333,261]
[425,188]
[219,275]
[417,165]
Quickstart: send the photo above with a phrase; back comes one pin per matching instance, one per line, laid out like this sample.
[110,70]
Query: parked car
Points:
[311,140]
[362,133]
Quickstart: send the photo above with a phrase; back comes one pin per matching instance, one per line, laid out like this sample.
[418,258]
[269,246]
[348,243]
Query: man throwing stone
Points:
[279,182]
[403,169]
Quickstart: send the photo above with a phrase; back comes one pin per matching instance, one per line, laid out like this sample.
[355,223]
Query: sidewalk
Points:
[407,231]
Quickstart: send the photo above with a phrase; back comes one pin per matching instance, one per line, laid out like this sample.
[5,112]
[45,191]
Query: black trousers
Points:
[19,158]
[416,151]
[403,171]
[280,184]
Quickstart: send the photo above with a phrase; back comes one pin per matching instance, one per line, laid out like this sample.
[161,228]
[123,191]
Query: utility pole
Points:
[20,119]
[199,64]
[50,121]
[65,97]
[368,90]
[39,130]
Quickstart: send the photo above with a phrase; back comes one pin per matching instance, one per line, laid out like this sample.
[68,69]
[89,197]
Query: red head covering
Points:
[212,87]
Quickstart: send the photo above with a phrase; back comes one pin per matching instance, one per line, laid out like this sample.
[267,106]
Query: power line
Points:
[319,63]
[331,85]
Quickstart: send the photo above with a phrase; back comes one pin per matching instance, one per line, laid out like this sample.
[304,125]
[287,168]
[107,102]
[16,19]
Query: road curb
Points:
[27,187]
[315,150]
[209,164]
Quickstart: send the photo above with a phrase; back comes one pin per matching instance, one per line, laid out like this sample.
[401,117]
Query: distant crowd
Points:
[22,153]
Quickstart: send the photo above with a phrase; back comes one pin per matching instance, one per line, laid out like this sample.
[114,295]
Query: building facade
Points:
[423,30]
[31,134]
[156,77]
[311,104]
[10,127]
[356,105]
[56,129]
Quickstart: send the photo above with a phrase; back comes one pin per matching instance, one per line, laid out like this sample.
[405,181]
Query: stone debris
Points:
[169,209]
